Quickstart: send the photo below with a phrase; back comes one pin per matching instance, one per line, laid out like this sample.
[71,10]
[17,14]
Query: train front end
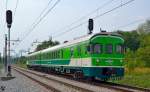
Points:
[107,54]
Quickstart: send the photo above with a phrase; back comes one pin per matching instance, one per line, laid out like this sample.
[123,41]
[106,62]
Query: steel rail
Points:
[110,85]
[20,70]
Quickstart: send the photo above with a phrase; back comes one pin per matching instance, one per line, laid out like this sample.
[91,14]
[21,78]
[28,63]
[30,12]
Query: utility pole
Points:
[5,54]
[9,22]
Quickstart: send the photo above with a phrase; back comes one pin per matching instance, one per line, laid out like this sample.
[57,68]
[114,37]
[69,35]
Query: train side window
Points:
[86,49]
[120,48]
[52,55]
[55,54]
[109,48]
[61,53]
[71,51]
[79,51]
[47,55]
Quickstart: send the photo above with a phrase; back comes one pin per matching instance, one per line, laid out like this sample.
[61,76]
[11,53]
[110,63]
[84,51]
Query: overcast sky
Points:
[65,13]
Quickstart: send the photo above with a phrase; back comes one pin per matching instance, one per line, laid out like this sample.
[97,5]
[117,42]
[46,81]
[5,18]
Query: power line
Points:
[16,8]
[83,17]
[122,4]
[119,6]
[36,24]
[41,13]
[131,23]
[6,3]
[41,19]
[36,20]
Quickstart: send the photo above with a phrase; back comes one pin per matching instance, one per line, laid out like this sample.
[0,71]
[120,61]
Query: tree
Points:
[144,28]
[46,44]
[131,38]
[143,53]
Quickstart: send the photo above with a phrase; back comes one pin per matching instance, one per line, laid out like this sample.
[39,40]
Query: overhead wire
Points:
[85,16]
[40,13]
[50,1]
[17,2]
[6,3]
[122,4]
[129,24]
[102,14]
[34,25]
[69,30]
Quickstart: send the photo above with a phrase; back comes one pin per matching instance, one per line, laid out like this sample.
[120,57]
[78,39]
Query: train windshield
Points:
[109,48]
[98,49]
[95,48]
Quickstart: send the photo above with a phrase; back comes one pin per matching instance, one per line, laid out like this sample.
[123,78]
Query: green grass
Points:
[138,79]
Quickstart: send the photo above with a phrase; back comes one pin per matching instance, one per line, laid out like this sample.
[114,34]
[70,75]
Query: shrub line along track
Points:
[109,85]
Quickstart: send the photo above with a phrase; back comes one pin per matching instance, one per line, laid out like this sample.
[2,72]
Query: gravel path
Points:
[20,84]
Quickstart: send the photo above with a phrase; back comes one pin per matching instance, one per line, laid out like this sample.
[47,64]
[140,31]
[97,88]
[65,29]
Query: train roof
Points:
[76,40]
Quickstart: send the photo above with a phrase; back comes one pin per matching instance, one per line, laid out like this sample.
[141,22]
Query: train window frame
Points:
[106,48]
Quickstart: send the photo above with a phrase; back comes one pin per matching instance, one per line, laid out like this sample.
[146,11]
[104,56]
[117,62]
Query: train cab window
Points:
[90,48]
[109,48]
[97,48]
[119,49]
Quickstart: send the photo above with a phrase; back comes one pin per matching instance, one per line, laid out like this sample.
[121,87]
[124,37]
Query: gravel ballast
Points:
[20,84]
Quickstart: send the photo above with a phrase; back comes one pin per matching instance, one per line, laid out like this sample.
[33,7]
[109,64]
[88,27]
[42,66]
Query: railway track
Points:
[93,86]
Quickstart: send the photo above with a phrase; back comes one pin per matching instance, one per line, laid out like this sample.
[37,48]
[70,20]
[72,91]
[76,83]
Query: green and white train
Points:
[94,56]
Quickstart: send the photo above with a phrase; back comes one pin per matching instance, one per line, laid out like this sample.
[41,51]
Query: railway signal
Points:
[90,26]
[9,22]
[9,18]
